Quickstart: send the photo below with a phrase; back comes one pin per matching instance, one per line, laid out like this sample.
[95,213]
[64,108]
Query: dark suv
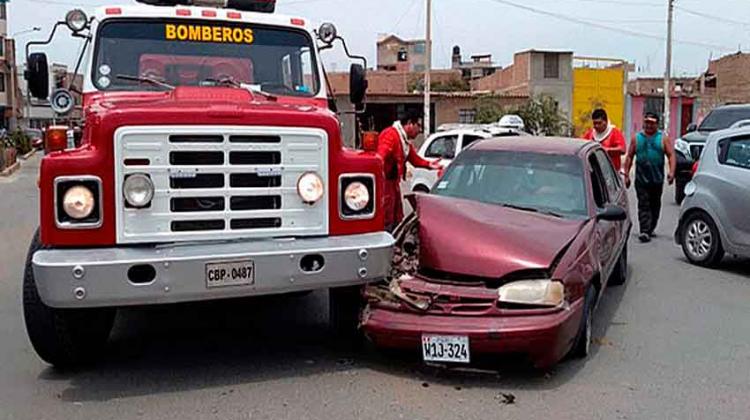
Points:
[689,147]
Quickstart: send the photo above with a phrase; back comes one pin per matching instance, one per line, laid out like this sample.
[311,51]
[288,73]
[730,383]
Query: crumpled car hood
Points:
[484,240]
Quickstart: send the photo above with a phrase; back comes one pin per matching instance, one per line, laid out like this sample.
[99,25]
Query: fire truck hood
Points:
[209,105]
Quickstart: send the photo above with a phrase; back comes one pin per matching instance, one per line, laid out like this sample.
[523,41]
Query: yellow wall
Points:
[597,88]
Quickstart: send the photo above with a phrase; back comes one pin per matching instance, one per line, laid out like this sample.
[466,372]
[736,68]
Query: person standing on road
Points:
[648,148]
[395,149]
[609,136]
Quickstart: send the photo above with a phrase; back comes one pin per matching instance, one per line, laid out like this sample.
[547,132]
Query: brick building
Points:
[396,54]
[10,98]
[480,65]
[534,73]
[727,80]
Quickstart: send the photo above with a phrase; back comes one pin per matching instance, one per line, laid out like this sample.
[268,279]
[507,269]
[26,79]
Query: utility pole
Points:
[428,69]
[668,69]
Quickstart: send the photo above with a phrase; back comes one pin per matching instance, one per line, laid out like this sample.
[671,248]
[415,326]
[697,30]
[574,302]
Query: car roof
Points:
[733,106]
[460,131]
[535,144]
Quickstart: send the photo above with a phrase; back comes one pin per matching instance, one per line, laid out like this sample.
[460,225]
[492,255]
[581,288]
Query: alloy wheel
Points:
[699,239]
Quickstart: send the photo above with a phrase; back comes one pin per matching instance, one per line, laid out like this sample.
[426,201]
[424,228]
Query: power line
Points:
[712,17]
[594,24]
[403,15]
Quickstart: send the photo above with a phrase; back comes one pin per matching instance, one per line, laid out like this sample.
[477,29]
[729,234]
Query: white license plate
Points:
[230,273]
[445,348]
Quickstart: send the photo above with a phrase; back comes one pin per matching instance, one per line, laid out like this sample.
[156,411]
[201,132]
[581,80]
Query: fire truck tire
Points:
[345,305]
[64,338]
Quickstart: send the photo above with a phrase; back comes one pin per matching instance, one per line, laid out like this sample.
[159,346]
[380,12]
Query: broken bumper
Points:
[77,278]
[545,339]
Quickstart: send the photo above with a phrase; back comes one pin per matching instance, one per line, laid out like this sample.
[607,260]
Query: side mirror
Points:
[357,84]
[37,75]
[612,214]
[692,127]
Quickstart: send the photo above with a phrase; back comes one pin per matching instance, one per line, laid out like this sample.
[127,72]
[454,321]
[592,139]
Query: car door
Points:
[437,147]
[606,232]
[468,139]
[616,193]
[733,188]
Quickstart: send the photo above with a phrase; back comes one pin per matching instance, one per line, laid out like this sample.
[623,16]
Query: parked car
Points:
[516,245]
[446,145]
[689,147]
[36,136]
[714,216]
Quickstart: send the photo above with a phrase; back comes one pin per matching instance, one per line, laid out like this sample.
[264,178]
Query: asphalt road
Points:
[673,343]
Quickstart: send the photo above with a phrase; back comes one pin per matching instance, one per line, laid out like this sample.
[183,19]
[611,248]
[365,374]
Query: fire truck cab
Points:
[211,166]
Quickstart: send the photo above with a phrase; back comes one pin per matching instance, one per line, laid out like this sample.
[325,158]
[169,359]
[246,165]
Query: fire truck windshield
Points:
[184,52]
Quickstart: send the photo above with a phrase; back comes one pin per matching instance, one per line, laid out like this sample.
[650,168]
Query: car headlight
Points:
[78,202]
[532,292]
[356,196]
[683,147]
[310,187]
[138,190]
[690,188]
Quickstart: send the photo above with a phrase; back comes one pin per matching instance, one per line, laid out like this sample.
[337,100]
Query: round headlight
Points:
[76,20]
[138,190]
[78,202]
[356,196]
[310,187]
[690,188]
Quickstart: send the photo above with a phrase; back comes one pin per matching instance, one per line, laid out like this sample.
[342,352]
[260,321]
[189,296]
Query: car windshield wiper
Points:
[228,81]
[145,79]
[532,209]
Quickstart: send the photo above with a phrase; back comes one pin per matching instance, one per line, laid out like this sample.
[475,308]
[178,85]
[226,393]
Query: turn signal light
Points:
[56,138]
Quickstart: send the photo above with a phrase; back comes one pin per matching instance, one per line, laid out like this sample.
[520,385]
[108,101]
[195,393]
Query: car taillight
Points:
[56,138]
[695,167]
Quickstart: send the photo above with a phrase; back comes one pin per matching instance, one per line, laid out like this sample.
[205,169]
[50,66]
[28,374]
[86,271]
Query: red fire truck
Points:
[211,166]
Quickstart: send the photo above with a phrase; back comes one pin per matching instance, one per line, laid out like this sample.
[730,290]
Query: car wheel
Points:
[700,240]
[620,273]
[421,189]
[63,338]
[679,190]
[582,347]
[345,305]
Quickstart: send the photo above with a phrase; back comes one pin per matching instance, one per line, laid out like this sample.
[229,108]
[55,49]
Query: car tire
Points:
[700,240]
[620,273]
[679,190]
[345,305]
[64,338]
[421,189]
[582,346]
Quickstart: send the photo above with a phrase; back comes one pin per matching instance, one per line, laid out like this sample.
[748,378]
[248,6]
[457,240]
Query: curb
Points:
[28,155]
[11,169]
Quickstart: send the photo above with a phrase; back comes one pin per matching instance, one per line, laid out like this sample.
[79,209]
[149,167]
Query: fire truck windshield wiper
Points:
[145,79]
[228,81]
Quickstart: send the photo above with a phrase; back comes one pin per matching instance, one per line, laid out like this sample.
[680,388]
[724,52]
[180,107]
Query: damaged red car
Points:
[509,255]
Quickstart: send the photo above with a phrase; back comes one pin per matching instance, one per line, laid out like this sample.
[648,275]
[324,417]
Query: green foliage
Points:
[541,115]
[20,141]
[451,85]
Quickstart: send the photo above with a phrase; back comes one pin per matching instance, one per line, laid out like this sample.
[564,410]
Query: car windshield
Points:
[546,183]
[199,53]
[720,119]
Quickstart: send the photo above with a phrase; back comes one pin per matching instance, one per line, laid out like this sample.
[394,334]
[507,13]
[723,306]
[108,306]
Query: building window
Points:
[2,47]
[419,67]
[466,116]
[3,14]
[402,55]
[419,48]
[2,82]
[551,66]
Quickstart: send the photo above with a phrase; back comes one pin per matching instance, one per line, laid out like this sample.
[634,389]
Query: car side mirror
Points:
[612,214]
[37,75]
[357,85]
[692,127]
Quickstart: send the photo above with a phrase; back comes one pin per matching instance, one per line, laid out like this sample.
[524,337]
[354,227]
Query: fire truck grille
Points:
[220,183]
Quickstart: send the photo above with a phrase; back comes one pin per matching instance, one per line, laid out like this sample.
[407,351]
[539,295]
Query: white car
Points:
[446,145]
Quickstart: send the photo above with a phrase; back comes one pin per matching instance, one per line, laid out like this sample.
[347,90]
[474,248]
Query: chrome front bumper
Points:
[77,278]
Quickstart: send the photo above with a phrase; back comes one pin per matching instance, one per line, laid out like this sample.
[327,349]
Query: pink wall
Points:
[637,105]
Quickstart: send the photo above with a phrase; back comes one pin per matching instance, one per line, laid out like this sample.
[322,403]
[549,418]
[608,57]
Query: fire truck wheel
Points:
[64,338]
[345,305]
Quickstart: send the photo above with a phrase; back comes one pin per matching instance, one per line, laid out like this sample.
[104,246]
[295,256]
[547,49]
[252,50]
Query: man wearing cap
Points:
[395,149]
[609,136]
[648,148]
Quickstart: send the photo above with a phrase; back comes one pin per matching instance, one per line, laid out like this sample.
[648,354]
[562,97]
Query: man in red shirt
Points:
[395,149]
[608,135]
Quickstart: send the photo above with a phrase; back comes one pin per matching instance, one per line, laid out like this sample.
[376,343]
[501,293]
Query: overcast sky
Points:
[486,26]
